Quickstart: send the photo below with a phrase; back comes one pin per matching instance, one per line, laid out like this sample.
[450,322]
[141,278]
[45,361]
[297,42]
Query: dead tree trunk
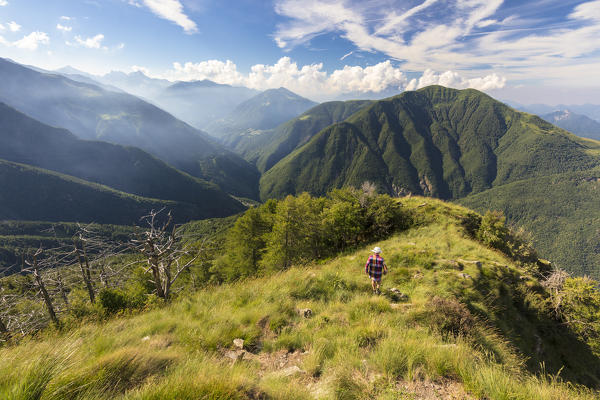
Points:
[3,328]
[40,283]
[61,289]
[84,266]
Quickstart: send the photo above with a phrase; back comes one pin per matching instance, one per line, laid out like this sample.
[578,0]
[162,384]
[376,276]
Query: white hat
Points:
[376,250]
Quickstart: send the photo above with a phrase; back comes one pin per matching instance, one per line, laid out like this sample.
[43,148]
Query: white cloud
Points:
[2,27]
[137,68]
[454,80]
[91,42]
[171,10]
[466,35]
[32,41]
[3,3]
[63,28]
[589,10]
[65,18]
[13,26]
[314,82]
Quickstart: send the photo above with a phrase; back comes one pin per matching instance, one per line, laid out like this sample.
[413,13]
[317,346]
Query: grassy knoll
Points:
[481,329]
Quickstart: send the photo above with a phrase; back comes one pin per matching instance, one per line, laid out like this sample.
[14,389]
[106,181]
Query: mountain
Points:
[436,141]
[136,83]
[91,112]
[25,140]
[575,123]
[35,194]
[589,110]
[201,102]
[264,111]
[266,148]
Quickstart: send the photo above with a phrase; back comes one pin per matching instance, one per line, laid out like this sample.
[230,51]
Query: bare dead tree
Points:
[3,328]
[84,266]
[34,267]
[166,255]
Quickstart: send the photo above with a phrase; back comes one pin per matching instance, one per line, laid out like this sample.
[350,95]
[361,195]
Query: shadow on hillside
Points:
[549,345]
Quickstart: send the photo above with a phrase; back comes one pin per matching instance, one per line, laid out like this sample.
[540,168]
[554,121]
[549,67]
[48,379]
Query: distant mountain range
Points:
[264,111]
[128,169]
[578,124]
[91,112]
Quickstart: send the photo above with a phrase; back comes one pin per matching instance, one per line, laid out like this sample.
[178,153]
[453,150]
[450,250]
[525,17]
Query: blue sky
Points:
[527,51]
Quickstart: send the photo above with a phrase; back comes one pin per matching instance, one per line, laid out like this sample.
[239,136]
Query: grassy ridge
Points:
[355,345]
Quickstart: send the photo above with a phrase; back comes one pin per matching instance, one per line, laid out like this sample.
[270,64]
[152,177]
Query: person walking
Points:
[376,268]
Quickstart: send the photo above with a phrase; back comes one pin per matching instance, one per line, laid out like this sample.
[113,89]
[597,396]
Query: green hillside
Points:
[35,194]
[93,113]
[560,211]
[266,110]
[471,324]
[266,148]
[25,140]
[437,141]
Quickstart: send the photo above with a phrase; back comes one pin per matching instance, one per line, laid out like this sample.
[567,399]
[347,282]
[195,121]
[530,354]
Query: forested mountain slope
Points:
[34,194]
[266,148]
[437,141]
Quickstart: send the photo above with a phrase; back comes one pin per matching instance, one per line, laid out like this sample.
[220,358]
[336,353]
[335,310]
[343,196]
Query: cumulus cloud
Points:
[454,80]
[314,82]
[13,26]
[63,28]
[171,10]
[3,3]
[32,41]
[91,42]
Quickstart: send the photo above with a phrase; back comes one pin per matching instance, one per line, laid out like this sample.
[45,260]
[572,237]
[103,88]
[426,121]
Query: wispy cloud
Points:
[65,18]
[460,35]
[3,3]
[171,10]
[313,81]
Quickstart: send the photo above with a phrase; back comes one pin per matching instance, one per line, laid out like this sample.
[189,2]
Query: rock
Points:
[465,276]
[475,262]
[397,295]
[289,371]
[305,312]
[145,338]
[239,343]
[235,355]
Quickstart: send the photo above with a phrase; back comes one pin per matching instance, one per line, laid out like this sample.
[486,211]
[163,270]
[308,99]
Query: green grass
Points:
[355,345]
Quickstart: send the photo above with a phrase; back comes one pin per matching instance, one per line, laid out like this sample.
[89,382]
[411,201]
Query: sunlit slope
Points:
[484,340]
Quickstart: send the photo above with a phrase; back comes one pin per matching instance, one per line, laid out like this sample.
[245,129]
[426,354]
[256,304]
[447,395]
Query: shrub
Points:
[450,317]
[112,300]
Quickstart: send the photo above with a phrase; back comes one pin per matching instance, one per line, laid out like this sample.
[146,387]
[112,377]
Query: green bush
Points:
[112,300]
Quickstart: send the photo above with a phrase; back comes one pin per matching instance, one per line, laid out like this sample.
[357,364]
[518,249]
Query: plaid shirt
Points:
[375,266]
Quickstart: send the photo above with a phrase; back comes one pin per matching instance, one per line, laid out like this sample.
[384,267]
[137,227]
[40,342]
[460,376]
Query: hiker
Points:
[376,268]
